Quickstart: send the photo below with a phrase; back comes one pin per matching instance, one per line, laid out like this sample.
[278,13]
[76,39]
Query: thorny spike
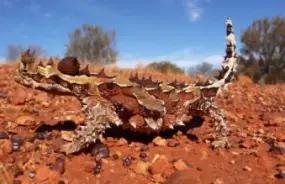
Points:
[170,126]
[28,51]
[118,123]
[134,125]
[85,71]
[50,62]
[41,64]
[180,123]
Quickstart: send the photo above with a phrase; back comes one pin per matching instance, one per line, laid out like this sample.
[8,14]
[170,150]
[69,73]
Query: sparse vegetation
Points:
[14,51]
[263,51]
[165,67]
[204,68]
[92,44]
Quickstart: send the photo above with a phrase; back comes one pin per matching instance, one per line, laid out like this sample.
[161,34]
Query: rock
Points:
[32,174]
[173,143]
[246,168]
[7,146]
[18,97]
[4,135]
[180,165]
[29,147]
[231,116]
[281,138]
[97,169]
[59,165]
[158,141]
[142,168]
[127,161]
[100,150]
[144,148]
[122,142]
[204,155]
[279,120]
[245,144]
[161,166]
[232,162]
[16,143]
[261,131]
[278,148]
[45,104]
[42,97]
[25,121]
[44,174]
[158,178]
[218,181]
[143,154]
[184,176]
[67,135]
[89,166]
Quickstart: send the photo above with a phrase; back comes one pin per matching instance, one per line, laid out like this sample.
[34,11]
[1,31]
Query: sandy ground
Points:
[33,125]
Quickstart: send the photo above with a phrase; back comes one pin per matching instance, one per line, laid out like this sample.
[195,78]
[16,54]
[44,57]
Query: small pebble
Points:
[127,161]
[98,167]
[100,150]
[17,182]
[173,144]
[280,175]
[115,157]
[18,172]
[59,165]
[143,155]
[32,174]
[246,168]
[144,148]
[4,135]
[40,136]
[49,137]
[16,143]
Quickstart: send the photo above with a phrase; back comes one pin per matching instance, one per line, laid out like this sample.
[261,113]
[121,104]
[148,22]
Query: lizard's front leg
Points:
[99,115]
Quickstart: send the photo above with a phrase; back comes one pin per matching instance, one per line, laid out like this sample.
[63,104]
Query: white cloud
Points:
[183,58]
[2,60]
[194,8]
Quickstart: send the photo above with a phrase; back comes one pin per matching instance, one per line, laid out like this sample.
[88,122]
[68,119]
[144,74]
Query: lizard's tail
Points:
[229,64]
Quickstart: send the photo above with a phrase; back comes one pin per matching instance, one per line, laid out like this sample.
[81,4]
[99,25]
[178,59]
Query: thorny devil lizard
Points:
[142,105]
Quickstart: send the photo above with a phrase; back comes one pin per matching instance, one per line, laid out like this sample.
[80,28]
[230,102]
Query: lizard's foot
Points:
[221,143]
[69,148]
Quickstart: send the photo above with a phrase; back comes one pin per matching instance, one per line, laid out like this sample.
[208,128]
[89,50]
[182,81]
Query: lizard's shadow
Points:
[129,135]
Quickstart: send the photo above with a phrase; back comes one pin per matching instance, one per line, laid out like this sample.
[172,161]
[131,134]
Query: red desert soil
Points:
[256,116]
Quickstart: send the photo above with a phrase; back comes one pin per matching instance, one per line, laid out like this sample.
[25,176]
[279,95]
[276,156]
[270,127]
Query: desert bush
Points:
[263,50]
[165,67]
[92,44]
[204,68]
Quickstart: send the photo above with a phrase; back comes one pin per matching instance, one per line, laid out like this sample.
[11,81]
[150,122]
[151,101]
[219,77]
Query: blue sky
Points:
[186,32]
